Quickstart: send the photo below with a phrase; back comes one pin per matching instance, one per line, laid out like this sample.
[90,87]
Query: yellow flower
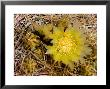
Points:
[68,46]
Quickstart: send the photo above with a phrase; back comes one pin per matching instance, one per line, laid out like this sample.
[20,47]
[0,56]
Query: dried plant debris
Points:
[55,44]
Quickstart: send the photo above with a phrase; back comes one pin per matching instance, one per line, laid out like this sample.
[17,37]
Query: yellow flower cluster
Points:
[68,46]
